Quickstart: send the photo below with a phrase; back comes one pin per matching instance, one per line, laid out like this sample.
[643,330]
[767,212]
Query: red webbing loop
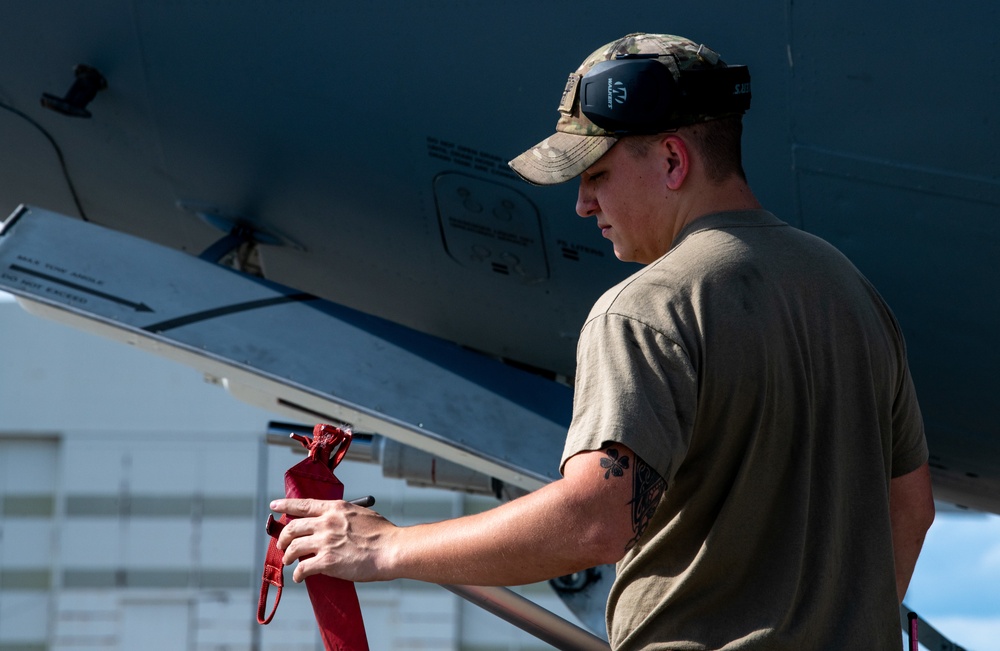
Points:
[273,567]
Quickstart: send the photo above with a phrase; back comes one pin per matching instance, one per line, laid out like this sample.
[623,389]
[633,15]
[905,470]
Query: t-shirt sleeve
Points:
[634,386]
[909,444]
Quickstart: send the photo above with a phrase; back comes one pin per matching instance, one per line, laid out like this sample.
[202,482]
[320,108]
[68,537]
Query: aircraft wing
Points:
[289,352]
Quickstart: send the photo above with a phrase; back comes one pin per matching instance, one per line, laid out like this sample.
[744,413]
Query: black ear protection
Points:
[635,93]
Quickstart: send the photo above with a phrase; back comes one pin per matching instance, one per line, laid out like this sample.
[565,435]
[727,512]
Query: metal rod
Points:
[530,617]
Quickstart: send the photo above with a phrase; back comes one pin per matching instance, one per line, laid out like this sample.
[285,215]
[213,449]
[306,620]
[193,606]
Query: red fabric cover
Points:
[335,601]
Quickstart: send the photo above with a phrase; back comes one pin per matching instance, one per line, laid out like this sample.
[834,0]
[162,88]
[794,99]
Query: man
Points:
[746,442]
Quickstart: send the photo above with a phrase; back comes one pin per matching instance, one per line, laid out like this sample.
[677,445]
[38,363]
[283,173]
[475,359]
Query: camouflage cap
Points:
[578,143]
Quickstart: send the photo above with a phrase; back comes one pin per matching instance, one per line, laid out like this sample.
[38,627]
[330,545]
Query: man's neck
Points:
[730,195]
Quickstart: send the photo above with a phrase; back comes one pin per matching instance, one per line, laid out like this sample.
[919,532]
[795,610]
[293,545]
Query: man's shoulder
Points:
[625,297]
[710,254]
[697,252]
[649,296]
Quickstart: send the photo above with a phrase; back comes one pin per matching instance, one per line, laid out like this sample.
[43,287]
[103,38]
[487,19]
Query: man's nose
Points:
[586,204]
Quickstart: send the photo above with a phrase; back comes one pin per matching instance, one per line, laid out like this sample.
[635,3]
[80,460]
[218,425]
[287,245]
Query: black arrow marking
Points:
[226,310]
[138,307]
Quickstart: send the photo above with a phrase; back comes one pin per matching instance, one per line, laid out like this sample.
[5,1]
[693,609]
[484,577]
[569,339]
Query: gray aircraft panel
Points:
[287,351]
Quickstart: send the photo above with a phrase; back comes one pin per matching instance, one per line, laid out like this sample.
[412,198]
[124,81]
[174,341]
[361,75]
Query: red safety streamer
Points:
[335,601]
[913,626]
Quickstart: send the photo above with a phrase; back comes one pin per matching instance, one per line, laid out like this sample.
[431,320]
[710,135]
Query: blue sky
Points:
[956,585]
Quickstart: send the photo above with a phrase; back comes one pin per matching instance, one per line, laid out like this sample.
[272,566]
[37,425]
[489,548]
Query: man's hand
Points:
[332,537]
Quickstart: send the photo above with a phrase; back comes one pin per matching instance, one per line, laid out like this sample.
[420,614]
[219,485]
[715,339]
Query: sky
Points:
[956,584]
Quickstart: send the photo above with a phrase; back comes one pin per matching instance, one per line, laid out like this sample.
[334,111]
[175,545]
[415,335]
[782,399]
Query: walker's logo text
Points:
[617,93]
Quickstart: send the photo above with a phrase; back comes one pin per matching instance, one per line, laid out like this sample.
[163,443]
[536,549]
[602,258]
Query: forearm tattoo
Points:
[647,489]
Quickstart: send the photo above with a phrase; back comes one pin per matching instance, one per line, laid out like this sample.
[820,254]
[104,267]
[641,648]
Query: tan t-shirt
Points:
[762,376]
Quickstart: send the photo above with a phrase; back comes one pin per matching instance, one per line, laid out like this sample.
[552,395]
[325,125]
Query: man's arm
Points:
[911,508]
[589,517]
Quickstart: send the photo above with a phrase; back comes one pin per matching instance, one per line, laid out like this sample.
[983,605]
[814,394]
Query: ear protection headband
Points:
[635,93]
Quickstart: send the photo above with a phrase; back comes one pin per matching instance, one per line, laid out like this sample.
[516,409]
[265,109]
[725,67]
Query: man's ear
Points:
[676,160]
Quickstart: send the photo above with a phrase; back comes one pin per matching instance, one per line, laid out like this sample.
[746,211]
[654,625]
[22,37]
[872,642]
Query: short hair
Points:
[717,141]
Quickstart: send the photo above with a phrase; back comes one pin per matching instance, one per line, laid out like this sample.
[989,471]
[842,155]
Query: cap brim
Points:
[560,157]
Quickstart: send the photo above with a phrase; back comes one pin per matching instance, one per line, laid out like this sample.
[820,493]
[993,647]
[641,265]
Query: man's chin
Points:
[629,256]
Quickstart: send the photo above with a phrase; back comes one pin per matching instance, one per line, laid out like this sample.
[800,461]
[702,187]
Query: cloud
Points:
[991,560]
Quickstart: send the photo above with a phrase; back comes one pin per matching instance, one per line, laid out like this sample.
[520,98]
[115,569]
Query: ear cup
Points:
[639,94]
[628,95]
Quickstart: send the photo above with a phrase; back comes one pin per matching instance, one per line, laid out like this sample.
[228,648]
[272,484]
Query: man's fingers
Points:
[305,550]
[307,507]
[296,548]
[297,507]
[295,531]
[304,569]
